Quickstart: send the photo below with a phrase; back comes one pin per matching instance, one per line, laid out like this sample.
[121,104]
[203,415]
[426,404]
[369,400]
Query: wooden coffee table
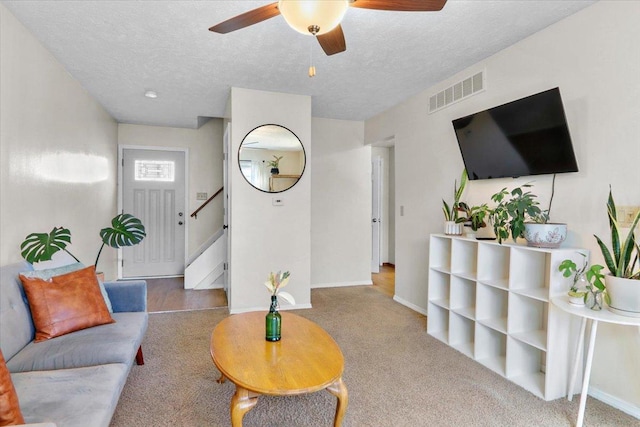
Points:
[305,360]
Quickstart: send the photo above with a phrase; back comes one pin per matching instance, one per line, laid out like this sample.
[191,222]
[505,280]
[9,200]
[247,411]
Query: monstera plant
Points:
[125,230]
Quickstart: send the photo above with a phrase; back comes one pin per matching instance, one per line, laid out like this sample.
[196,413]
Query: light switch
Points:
[277,201]
[401,210]
[202,196]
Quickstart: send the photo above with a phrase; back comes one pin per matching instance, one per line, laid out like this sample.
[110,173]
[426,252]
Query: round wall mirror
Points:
[271,158]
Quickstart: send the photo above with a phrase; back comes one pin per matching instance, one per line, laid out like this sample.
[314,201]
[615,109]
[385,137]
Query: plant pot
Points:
[469,232]
[624,295]
[594,300]
[452,228]
[550,235]
[275,171]
[577,299]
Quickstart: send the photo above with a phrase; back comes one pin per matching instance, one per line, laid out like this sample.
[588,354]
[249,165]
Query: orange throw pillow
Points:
[10,414]
[65,303]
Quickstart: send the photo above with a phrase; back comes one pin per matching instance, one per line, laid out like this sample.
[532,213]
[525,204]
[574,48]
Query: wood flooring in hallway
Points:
[168,294]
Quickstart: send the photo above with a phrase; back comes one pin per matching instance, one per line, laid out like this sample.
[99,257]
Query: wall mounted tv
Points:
[524,137]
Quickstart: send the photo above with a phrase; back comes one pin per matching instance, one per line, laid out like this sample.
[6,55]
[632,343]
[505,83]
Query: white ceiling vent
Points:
[461,90]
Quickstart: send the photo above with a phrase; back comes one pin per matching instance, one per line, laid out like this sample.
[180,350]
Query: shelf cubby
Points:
[493,265]
[440,256]
[529,272]
[526,366]
[438,322]
[464,258]
[527,321]
[439,288]
[491,302]
[461,334]
[463,297]
[491,348]
[492,307]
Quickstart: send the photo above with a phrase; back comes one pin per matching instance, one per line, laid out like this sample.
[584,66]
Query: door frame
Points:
[121,148]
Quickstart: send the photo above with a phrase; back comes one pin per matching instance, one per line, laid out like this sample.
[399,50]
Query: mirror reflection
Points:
[272,158]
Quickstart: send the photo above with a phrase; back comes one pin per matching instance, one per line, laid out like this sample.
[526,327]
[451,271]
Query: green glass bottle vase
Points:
[273,321]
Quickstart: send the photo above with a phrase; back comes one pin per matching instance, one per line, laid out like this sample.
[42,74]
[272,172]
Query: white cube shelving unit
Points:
[492,303]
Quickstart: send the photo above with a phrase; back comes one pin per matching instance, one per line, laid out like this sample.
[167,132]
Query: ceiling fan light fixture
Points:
[303,14]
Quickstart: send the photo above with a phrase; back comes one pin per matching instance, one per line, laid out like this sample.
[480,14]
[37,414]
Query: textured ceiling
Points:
[120,49]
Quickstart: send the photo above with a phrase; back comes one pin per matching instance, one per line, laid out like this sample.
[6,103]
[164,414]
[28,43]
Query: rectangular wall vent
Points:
[458,91]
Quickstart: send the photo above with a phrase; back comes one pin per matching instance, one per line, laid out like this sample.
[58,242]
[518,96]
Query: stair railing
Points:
[195,213]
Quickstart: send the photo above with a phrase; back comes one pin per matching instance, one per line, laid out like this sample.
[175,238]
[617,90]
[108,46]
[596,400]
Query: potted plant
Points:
[275,164]
[452,220]
[125,230]
[596,288]
[518,214]
[474,217]
[512,210]
[622,260]
[579,288]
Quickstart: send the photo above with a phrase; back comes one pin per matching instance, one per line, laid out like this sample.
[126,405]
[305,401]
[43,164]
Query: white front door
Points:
[153,190]
[376,213]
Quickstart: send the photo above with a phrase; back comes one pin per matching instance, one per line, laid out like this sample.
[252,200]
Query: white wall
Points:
[205,169]
[340,204]
[58,151]
[264,237]
[594,58]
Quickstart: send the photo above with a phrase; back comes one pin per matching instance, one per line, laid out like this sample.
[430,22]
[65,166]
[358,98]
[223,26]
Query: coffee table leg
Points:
[339,390]
[241,402]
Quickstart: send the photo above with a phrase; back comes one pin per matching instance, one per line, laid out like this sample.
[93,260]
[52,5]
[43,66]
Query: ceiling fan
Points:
[321,18]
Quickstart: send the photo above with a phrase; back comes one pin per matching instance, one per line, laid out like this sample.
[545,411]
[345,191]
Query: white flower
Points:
[276,282]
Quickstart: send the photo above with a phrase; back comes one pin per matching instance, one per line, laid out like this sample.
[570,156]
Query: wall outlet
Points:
[626,214]
[202,196]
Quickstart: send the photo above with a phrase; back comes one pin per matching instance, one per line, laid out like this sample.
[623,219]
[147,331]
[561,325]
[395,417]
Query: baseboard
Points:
[341,284]
[266,307]
[615,402]
[412,306]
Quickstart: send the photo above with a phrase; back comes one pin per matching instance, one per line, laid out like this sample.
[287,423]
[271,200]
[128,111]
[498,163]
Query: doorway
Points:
[153,189]
[383,211]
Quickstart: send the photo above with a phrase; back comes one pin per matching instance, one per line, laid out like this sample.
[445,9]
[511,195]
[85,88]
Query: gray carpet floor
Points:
[396,374]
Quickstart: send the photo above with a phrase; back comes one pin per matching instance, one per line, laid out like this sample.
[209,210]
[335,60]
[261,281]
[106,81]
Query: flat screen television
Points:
[529,136]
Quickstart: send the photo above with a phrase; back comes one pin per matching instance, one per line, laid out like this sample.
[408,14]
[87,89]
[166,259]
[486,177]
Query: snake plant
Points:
[451,212]
[623,258]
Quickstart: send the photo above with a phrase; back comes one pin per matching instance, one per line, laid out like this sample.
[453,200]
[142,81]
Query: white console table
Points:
[585,313]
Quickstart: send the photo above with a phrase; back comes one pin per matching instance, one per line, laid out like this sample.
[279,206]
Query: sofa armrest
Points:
[127,295]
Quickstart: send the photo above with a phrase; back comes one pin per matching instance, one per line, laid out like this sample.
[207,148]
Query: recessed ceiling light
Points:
[151,94]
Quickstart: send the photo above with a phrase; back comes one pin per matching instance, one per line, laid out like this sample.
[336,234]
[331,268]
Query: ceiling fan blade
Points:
[333,42]
[400,5]
[246,19]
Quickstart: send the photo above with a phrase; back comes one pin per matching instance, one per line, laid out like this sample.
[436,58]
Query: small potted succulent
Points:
[452,220]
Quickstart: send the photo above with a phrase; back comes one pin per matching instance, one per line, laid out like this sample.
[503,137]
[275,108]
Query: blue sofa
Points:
[74,380]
